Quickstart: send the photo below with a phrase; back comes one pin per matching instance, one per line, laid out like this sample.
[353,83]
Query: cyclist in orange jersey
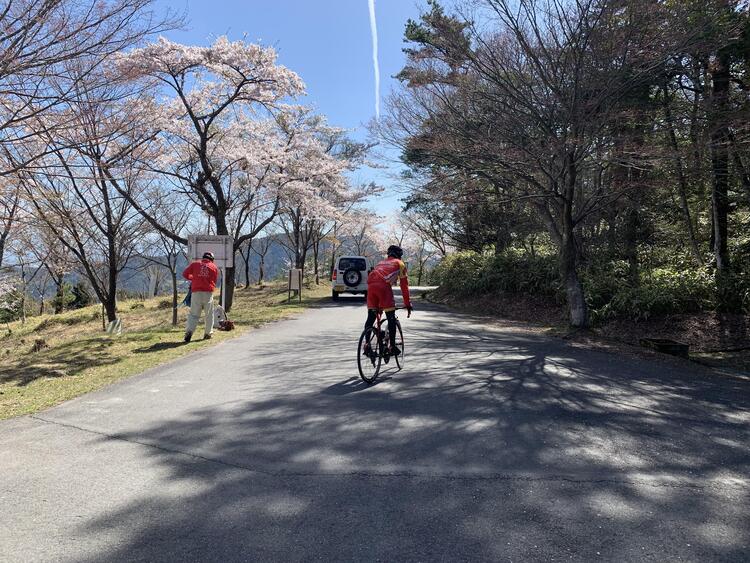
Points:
[380,293]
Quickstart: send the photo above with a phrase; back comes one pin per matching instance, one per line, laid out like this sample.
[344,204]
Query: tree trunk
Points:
[59,295]
[629,174]
[720,162]
[261,268]
[682,186]
[247,268]
[110,306]
[316,250]
[301,259]
[229,288]
[632,221]
[333,262]
[741,168]
[246,261]
[229,282]
[579,314]
[297,239]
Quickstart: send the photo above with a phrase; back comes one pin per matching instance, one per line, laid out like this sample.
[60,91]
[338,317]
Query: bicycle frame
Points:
[383,346]
[379,318]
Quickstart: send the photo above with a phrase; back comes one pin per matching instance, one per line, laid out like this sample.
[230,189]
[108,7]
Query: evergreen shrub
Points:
[671,289]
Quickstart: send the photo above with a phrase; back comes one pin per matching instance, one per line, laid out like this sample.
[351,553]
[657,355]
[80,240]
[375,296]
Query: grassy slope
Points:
[81,358]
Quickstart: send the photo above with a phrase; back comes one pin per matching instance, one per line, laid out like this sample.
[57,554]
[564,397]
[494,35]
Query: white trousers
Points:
[201,302]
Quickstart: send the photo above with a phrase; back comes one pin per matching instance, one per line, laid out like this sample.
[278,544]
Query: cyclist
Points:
[380,294]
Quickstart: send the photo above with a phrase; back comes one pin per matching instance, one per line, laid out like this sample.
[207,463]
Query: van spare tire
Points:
[352,277]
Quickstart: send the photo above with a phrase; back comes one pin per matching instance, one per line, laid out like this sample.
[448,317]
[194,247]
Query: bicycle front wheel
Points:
[400,344]
[369,355]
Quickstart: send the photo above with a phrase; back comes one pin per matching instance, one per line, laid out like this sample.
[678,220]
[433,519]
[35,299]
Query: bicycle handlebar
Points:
[381,311]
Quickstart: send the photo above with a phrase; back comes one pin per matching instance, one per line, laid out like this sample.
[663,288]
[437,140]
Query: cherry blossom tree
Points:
[229,144]
[321,194]
[9,205]
[363,233]
[75,190]
[11,301]
[41,41]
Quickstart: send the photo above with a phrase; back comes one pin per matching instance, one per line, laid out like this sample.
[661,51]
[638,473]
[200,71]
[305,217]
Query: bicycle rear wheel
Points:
[369,355]
[400,344]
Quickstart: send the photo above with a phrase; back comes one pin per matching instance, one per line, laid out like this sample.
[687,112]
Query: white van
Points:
[349,276]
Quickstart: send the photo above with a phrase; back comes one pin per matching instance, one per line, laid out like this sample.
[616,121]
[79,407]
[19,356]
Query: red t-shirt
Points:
[202,275]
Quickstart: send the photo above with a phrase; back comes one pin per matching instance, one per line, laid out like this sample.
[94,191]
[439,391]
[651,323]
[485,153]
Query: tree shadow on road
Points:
[490,444]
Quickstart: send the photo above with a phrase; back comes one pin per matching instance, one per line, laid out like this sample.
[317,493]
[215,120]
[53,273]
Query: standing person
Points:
[380,294]
[202,276]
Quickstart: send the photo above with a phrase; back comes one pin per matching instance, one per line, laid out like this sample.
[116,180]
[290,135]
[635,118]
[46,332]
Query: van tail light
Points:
[334,275]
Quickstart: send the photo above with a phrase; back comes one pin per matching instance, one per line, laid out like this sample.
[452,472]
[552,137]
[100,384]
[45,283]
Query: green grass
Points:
[77,357]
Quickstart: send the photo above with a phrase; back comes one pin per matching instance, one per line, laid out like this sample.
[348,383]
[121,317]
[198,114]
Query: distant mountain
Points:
[142,276]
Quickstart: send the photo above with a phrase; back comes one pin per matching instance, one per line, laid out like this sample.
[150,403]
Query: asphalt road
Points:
[493,444]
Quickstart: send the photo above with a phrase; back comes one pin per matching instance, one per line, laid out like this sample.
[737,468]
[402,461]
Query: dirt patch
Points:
[704,332]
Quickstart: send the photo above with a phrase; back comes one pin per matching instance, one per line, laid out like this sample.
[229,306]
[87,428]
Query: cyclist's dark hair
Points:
[395,251]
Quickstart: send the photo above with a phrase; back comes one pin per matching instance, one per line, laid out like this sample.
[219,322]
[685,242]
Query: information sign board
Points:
[295,283]
[222,247]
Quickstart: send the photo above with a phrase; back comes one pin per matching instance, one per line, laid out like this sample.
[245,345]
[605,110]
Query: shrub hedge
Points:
[662,290]
[469,273]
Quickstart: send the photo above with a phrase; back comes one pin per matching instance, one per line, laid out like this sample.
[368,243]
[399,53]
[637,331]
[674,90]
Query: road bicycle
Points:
[375,348]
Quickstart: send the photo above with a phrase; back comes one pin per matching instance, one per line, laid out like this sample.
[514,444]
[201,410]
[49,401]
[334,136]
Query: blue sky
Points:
[327,42]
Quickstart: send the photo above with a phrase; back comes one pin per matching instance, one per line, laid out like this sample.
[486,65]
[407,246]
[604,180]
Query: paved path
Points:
[493,444]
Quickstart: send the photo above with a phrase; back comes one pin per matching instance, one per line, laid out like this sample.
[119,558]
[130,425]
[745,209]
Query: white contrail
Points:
[376,65]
